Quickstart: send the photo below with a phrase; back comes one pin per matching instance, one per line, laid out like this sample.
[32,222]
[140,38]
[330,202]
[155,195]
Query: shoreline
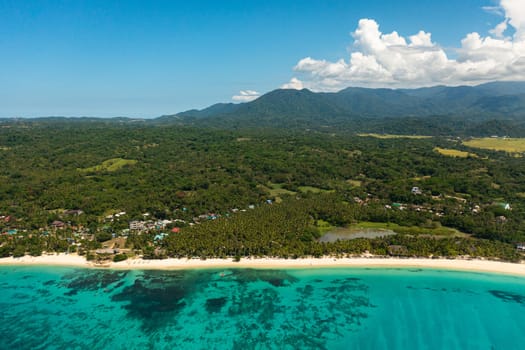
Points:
[473,265]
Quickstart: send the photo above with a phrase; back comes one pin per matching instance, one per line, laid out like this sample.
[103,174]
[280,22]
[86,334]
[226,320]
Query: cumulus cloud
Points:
[246,96]
[389,59]
[515,14]
[294,83]
[500,29]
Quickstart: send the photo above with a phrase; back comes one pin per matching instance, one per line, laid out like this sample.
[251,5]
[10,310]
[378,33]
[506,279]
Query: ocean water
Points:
[340,308]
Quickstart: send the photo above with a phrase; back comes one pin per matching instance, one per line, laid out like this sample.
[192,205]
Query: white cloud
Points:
[294,84]
[379,59]
[495,10]
[515,13]
[246,96]
[499,30]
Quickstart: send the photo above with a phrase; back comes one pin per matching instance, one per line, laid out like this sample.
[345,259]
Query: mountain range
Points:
[497,100]
[496,108]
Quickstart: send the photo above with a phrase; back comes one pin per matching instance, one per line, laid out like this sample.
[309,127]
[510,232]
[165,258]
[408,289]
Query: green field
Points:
[409,230]
[324,226]
[305,189]
[392,136]
[354,183]
[454,153]
[276,190]
[510,145]
[113,164]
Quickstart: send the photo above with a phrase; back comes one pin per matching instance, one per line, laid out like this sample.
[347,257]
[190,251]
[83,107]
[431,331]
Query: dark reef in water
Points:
[276,278]
[215,304]
[246,304]
[157,297]
[92,280]
[508,297]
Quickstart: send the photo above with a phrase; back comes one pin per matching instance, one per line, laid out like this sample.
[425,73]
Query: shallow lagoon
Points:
[339,308]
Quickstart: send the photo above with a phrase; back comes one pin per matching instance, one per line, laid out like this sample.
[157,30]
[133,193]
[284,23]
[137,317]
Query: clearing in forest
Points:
[392,136]
[305,189]
[112,164]
[454,153]
[510,145]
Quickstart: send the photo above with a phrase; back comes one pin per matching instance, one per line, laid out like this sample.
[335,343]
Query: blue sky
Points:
[148,58]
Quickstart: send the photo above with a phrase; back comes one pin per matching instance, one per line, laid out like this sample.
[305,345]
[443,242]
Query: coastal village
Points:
[107,242]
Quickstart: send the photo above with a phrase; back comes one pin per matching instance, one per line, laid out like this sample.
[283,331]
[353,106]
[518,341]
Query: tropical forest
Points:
[189,187]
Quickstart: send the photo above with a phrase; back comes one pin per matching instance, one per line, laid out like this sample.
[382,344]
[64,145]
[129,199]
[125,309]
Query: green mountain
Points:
[500,100]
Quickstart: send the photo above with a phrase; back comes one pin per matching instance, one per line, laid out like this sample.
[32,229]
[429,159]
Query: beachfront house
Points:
[74,212]
[505,206]
[160,236]
[137,225]
[107,251]
[416,190]
[58,224]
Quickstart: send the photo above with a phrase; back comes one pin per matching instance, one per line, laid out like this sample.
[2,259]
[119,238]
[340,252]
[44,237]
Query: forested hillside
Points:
[487,109]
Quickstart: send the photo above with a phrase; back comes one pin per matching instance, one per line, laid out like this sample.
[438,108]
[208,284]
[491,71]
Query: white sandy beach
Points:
[48,260]
[268,263]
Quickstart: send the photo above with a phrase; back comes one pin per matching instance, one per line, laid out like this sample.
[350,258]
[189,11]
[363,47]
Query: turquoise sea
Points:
[340,308]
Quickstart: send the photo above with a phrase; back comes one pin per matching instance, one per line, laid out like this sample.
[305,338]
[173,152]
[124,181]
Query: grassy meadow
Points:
[392,136]
[110,165]
[510,145]
[454,152]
